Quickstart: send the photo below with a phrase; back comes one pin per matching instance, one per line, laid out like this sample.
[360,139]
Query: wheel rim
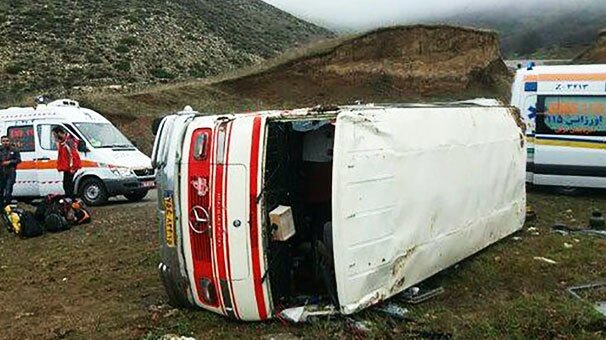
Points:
[92,192]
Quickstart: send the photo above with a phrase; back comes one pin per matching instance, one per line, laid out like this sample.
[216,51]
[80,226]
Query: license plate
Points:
[169,222]
[149,184]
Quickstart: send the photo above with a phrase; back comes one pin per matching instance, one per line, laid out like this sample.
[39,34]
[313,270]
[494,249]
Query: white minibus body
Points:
[355,203]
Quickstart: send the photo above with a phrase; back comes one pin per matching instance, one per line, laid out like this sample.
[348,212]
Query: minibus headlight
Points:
[122,172]
[208,291]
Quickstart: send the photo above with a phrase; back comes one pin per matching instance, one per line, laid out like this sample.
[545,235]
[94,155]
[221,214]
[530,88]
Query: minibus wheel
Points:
[93,191]
[569,191]
[136,196]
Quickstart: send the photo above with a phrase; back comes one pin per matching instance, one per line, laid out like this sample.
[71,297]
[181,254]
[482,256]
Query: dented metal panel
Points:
[418,189]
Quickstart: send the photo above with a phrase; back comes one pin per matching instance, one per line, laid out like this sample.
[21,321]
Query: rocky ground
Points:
[99,281]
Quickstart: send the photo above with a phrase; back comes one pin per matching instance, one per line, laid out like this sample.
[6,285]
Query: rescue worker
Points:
[9,158]
[68,160]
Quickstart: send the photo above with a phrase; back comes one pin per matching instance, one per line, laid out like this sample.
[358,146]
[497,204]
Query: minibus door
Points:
[50,181]
[22,137]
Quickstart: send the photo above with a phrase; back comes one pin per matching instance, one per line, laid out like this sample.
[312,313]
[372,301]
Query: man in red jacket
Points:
[68,161]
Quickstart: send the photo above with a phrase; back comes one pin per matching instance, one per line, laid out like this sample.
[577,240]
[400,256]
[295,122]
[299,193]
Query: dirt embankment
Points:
[595,54]
[397,64]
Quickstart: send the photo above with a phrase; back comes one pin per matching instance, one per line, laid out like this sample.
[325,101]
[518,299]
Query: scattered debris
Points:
[171,312]
[534,231]
[544,259]
[393,310]
[567,245]
[599,306]
[359,327]
[306,313]
[596,221]
[414,295]
[531,215]
[23,314]
[565,230]
[517,238]
[281,336]
[175,337]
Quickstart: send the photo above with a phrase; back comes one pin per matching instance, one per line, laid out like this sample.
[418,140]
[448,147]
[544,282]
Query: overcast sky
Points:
[365,14]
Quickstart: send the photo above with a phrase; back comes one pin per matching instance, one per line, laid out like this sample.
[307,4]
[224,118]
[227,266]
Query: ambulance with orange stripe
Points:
[112,165]
[564,108]
[272,214]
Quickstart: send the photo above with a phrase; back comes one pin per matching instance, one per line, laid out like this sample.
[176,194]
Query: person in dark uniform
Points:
[9,158]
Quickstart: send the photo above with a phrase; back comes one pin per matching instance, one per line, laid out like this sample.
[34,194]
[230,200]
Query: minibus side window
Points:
[22,137]
[200,146]
[571,115]
[47,141]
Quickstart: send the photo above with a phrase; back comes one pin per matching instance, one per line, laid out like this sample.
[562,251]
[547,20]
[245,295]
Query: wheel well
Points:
[80,180]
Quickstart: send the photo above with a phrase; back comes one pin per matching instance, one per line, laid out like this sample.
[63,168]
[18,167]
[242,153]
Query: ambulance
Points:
[564,108]
[345,205]
[112,165]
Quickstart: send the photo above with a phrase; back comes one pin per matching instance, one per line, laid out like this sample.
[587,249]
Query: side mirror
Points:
[82,146]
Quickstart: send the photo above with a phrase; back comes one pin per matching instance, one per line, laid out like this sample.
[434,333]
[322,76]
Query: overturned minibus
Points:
[354,204]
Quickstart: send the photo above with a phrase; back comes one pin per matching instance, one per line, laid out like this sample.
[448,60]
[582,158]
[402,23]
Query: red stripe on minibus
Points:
[226,205]
[254,225]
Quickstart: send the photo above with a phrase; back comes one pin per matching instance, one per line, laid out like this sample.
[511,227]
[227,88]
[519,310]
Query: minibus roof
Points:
[63,110]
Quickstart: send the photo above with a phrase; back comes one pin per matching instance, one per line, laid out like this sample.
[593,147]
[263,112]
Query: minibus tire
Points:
[136,196]
[87,185]
[569,191]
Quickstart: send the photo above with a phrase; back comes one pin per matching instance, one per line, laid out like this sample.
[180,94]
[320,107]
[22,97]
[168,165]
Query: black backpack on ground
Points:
[30,227]
[27,225]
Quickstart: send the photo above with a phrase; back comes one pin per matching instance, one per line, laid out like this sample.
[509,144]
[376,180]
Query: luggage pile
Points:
[54,214]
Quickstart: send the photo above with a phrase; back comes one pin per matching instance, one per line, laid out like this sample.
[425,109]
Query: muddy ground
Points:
[99,281]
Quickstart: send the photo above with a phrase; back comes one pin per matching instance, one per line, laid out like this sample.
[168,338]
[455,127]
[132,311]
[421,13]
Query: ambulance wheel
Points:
[136,196]
[93,192]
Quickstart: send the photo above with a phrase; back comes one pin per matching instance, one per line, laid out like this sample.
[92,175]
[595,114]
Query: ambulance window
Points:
[22,137]
[47,141]
[571,115]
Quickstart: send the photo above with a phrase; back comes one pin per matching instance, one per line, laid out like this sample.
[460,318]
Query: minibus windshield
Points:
[103,135]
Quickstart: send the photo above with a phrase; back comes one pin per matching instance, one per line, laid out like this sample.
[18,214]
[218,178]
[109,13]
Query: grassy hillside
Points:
[55,45]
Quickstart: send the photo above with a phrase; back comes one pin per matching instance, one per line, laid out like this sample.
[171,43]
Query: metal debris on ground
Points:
[306,313]
[544,259]
[414,295]
[565,230]
[599,306]
[393,310]
[359,326]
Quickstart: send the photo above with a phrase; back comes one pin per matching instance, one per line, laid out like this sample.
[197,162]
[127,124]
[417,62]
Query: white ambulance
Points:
[353,204]
[111,164]
[564,108]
